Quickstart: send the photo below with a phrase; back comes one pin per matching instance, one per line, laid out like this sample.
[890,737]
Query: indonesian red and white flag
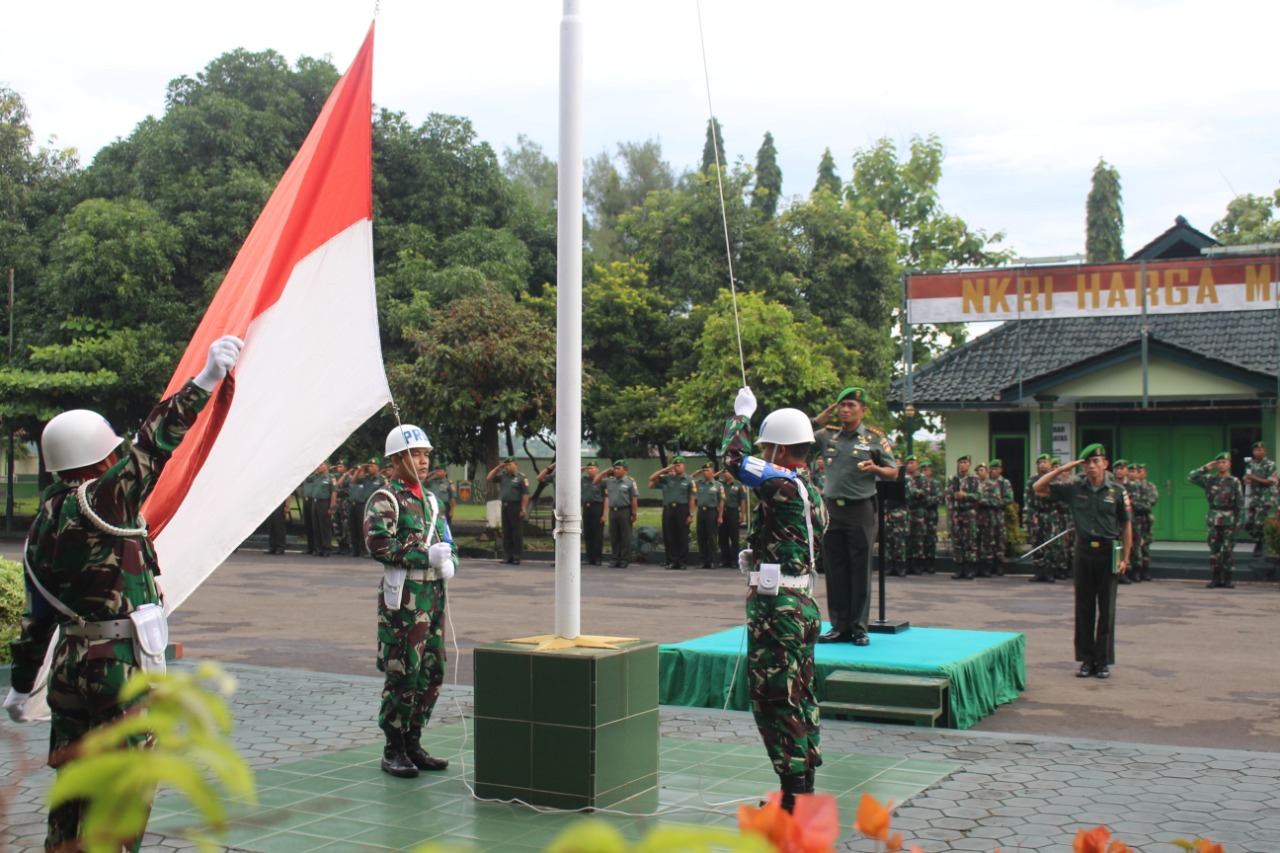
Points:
[301,295]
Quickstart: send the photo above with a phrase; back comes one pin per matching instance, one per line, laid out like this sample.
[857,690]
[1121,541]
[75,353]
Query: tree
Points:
[1249,221]
[768,188]
[1104,219]
[827,177]
[713,149]
[529,169]
[616,184]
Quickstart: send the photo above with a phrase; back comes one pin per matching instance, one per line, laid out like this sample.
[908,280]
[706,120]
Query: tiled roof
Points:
[986,369]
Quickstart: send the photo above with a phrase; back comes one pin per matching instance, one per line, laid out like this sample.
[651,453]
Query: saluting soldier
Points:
[1144,496]
[735,501]
[1226,509]
[513,491]
[1037,519]
[897,530]
[318,496]
[963,493]
[855,454]
[440,484]
[1064,545]
[708,498]
[1120,471]
[592,497]
[1104,538]
[677,510]
[915,492]
[1260,477]
[621,506]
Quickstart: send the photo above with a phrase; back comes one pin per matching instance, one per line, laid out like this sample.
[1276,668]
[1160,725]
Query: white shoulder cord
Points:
[82,498]
[808,523]
[49,597]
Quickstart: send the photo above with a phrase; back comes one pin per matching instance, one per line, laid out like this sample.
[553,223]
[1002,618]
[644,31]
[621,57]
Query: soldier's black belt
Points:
[113,629]
[676,504]
[849,501]
[619,509]
[1085,542]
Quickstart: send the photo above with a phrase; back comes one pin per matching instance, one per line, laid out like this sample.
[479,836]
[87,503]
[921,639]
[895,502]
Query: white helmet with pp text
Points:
[404,437]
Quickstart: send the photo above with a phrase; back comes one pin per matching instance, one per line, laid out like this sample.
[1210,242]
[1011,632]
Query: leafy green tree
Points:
[1249,221]
[616,184]
[1104,219]
[827,176]
[768,189]
[713,148]
[531,170]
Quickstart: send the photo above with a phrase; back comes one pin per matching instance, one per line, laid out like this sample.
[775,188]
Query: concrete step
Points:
[925,717]
[887,689]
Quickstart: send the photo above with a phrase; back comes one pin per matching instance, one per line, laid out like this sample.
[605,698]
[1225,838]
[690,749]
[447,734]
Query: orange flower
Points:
[770,820]
[1119,847]
[873,818]
[1091,840]
[1204,845]
[813,828]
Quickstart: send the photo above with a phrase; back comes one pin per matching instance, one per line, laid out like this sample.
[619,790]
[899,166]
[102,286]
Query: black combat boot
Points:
[1226,582]
[422,759]
[913,567]
[394,759]
[793,784]
[929,567]
[810,778]
[983,570]
[1214,581]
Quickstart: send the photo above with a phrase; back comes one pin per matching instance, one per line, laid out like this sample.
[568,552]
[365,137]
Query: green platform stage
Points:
[986,668]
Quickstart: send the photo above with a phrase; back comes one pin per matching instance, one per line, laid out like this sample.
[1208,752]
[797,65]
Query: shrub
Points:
[13,600]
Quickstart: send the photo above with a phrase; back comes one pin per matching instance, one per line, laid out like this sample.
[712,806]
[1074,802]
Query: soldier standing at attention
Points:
[592,511]
[1120,470]
[405,530]
[932,492]
[708,496]
[1036,521]
[513,491]
[91,572]
[854,454]
[1260,477]
[1104,537]
[988,508]
[897,530]
[341,506]
[915,491]
[621,506]
[319,494]
[364,484]
[962,506]
[783,541]
[1143,497]
[735,500]
[1226,508]
[440,484]
[1006,498]
[677,511]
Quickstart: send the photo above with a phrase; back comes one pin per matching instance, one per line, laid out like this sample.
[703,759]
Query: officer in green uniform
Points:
[592,512]
[440,484]
[677,510]
[621,505]
[735,501]
[1226,509]
[365,481]
[855,455]
[318,497]
[513,491]
[1104,538]
[1260,477]
[708,498]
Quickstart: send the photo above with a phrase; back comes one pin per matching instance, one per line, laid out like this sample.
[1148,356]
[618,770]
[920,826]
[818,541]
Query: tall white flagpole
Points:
[569,330]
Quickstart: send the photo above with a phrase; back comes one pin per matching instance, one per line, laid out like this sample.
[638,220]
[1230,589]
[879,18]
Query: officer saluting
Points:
[677,510]
[621,505]
[513,491]
[1226,507]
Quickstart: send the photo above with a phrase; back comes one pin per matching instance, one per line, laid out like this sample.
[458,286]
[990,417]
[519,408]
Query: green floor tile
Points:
[290,842]
[389,838]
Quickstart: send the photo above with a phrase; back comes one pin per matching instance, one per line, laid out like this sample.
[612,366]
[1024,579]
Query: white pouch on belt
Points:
[150,636]
[770,579]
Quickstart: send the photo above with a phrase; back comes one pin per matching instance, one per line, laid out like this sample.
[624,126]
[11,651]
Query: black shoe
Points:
[793,784]
[1257,549]
[394,759]
[834,636]
[422,759]
[1086,670]
[515,562]
[1228,585]
[962,576]
[615,565]
[1102,671]
[810,779]
[673,567]
[1213,584]
[1124,578]
[861,639]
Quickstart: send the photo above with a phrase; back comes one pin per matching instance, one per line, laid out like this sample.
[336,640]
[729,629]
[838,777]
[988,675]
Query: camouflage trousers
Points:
[1037,535]
[1222,547]
[1261,507]
[341,527]
[990,536]
[411,652]
[924,536]
[84,690]
[1142,538]
[964,536]
[781,633]
[1060,552]
[897,532]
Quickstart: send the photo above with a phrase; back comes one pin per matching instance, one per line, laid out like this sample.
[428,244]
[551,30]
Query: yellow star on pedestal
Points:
[551,642]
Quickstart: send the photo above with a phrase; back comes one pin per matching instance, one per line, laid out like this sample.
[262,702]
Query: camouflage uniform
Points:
[1262,499]
[926,529]
[100,577]
[990,525]
[1006,498]
[341,515]
[964,522]
[1063,547]
[897,534]
[917,520]
[1034,519]
[782,629]
[1226,508]
[1143,496]
[411,637]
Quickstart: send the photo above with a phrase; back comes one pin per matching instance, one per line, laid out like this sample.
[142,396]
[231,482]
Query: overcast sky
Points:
[1181,97]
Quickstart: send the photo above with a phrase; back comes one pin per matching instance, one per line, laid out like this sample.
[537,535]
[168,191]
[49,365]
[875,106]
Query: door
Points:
[1193,446]
[1011,449]
[1153,446]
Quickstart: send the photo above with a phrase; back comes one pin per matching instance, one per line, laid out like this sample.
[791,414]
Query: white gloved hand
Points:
[393,585]
[222,357]
[745,404]
[438,555]
[745,559]
[16,705]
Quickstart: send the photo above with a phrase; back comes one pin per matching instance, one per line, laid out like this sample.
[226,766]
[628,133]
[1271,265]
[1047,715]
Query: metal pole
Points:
[569,330]
[908,406]
[1142,287]
[8,492]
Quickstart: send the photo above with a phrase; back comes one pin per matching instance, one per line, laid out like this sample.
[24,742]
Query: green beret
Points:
[1055,461]
[912,458]
[1120,463]
[854,393]
[710,466]
[1223,455]
[509,459]
[1043,456]
[926,464]
[621,462]
[1258,444]
[1093,450]
[678,460]
[591,462]
[997,463]
[965,458]
[1139,466]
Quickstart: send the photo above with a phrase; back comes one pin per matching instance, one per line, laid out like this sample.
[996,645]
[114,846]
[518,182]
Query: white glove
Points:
[745,404]
[16,704]
[438,555]
[222,357]
[745,559]
[393,585]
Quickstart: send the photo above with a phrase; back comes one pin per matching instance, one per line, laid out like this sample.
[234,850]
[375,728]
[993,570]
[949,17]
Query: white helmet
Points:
[77,439]
[787,426]
[404,437]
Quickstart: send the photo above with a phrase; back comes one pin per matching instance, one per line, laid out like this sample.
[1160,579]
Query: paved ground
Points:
[1183,740]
